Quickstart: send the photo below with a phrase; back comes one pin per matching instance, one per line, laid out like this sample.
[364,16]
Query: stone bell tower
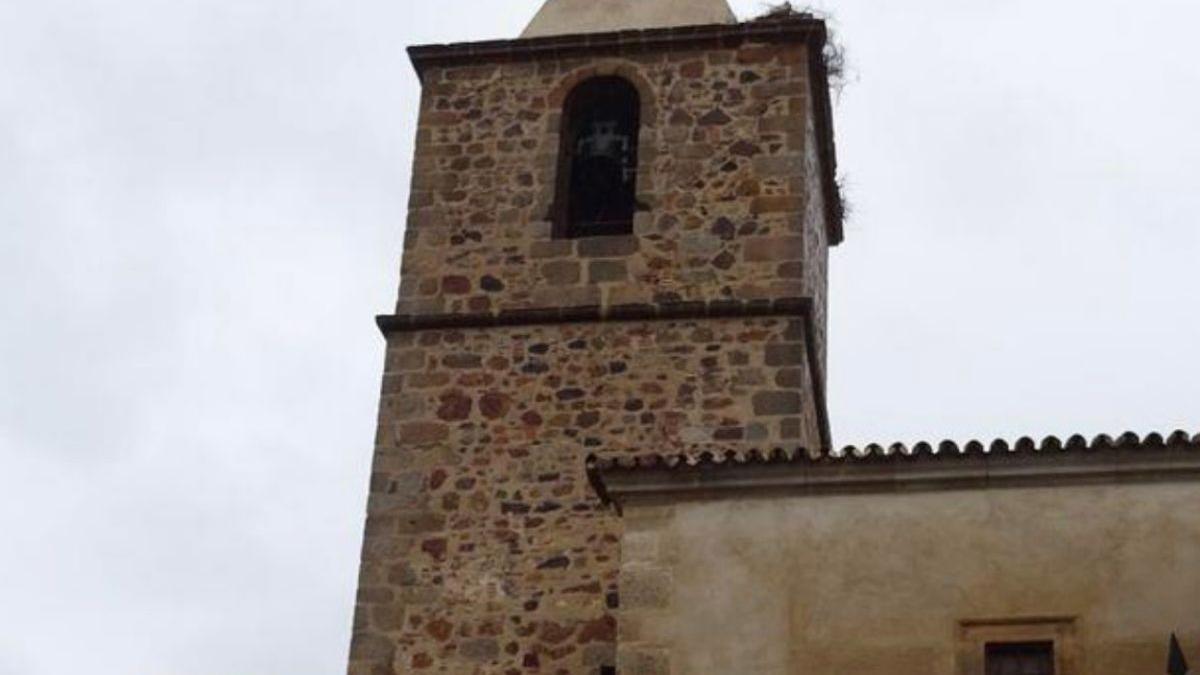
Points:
[617,243]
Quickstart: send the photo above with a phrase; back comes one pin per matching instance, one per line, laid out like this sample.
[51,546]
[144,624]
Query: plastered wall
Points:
[911,583]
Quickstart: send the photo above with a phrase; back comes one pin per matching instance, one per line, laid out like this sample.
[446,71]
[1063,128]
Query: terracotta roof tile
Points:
[897,452]
[921,466]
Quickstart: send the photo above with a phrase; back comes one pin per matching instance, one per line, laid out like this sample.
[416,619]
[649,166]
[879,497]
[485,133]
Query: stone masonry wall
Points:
[486,550]
[728,177]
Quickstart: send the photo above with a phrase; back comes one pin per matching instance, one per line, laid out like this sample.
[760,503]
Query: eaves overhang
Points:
[898,468]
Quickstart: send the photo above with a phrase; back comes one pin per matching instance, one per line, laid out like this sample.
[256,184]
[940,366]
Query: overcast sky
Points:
[201,209]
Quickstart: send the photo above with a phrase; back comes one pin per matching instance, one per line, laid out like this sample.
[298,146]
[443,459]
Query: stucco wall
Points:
[881,584]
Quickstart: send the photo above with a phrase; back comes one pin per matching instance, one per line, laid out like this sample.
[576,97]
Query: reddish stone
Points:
[790,270]
[422,433]
[475,380]
[692,69]
[680,118]
[600,630]
[422,661]
[440,629]
[532,419]
[767,249]
[494,405]
[552,633]
[436,548]
[748,55]
[456,285]
[559,653]
[776,204]
[437,479]
[455,406]
[749,188]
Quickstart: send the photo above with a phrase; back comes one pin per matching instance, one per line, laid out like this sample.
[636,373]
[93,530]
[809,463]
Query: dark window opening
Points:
[608,670]
[1027,658]
[597,182]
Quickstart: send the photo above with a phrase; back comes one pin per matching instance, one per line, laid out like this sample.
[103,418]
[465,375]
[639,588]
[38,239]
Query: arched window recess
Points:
[598,160]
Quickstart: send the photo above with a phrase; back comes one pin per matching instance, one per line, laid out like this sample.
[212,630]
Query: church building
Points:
[603,444]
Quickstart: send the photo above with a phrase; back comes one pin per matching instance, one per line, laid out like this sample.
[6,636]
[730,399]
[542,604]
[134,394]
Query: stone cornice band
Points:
[788,308]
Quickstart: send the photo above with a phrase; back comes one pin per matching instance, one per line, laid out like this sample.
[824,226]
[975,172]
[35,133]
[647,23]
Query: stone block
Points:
[785,354]
[791,429]
[561,272]
[773,249]
[463,361]
[602,271]
[422,433]
[769,403]
[389,617]
[480,649]
[554,248]
[775,204]
[567,296]
[790,378]
[695,151]
[407,359]
[371,647]
[607,247]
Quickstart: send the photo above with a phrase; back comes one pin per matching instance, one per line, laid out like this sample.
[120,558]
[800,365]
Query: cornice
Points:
[900,468]
[794,308]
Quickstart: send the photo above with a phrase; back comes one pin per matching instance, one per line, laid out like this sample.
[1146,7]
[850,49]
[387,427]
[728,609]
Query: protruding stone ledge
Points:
[798,308]
[804,28]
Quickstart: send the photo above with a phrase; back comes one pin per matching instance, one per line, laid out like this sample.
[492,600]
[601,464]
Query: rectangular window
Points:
[1020,658]
[1034,645]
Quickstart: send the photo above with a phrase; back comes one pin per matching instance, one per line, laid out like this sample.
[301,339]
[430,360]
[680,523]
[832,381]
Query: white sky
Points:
[201,208]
